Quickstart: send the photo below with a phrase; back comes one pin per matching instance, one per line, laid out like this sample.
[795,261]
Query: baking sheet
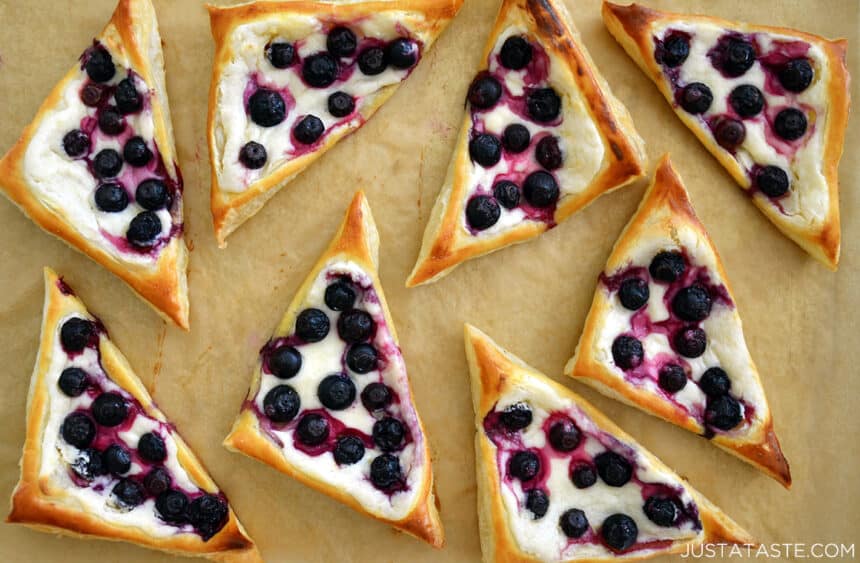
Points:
[800,319]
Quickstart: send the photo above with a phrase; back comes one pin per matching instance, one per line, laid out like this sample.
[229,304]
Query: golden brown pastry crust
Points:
[445,243]
[229,210]
[356,241]
[133,31]
[665,211]
[631,26]
[493,372]
[40,503]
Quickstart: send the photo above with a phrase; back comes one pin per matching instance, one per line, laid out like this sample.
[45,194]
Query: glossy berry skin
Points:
[76,333]
[772,181]
[372,61]
[790,124]
[78,430]
[128,99]
[796,75]
[507,194]
[99,66]
[540,189]
[107,163]
[613,468]
[110,121]
[690,342]
[516,417]
[267,108]
[482,212]
[619,531]
[207,514]
[341,42]
[667,266]
[110,409]
[76,143]
[281,54]
[661,511]
[676,49]
[312,325]
[543,105]
[484,92]
[715,382]
[672,378]
[73,382]
[548,153]
[633,293]
[524,465]
[136,153]
[151,447]
[738,57]
[583,476]
[692,303]
[313,429]
[627,352]
[516,53]
[401,53]
[339,296]
[729,133]
[281,404]
[129,493]
[573,523]
[485,149]
[696,98]
[319,70]
[89,464]
[516,138]
[171,506]
[537,502]
[152,195]
[336,392]
[362,358]
[285,362]
[341,104]
[385,471]
[348,450]
[117,460]
[564,436]
[253,155]
[157,481]
[388,434]
[110,197]
[355,326]
[746,100]
[308,130]
[143,229]
[92,94]
[376,396]
[723,412]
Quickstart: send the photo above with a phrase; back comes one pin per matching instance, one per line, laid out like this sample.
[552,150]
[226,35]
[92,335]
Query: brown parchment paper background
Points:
[800,319]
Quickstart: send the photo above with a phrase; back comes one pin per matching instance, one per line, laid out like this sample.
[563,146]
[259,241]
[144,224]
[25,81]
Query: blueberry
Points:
[548,153]
[285,362]
[540,189]
[738,57]
[723,412]
[696,98]
[127,98]
[110,409]
[319,70]
[482,212]
[110,197]
[619,531]
[341,42]
[308,130]
[129,493]
[583,476]
[485,149]
[715,382]
[143,229]
[107,163]
[152,194]
[151,447]
[376,396]
[340,296]
[89,464]
[507,194]
[537,502]
[564,436]
[99,66]
[675,50]
[746,100]
[385,471]
[690,342]
[111,121]
[78,430]
[672,378]
[336,392]
[516,417]
[157,481]
[484,92]
[355,326]
[207,514]
[516,53]
[76,143]
[372,61]
[362,358]
[76,333]
[388,434]
[796,75]
[171,506]
[401,53]
[524,465]
[281,404]
[633,293]
[312,325]
[253,155]
[117,459]
[312,430]
[267,108]
[73,382]
[729,133]
[341,104]
[281,54]
[627,352]
[661,511]
[613,468]
[516,138]
[92,94]
[692,303]
[136,153]
[790,124]
[543,105]
[772,181]
[348,450]
[573,523]
[667,266]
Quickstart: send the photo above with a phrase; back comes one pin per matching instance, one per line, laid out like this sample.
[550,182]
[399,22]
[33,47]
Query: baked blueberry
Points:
[341,104]
[117,459]
[675,50]
[613,468]
[319,70]
[715,382]
[729,133]
[107,163]
[738,57]
[355,326]
[312,430]
[73,382]
[690,342]
[285,362]
[548,153]
[661,511]
[78,430]
[482,212]
[485,149]
[110,197]
[110,409]
[76,333]
[672,378]
[516,53]
[308,130]
[92,94]
[543,105]
[151,447]
[564,436]
[540,189]
[341,42]
[336,392]
[348,450]
[372,61]
[136,153]
[516,138]
[157,481]
[619,531]
[340,296]
[723,412]
[152,194]
[746,100]
[129,493]
[484,92]
[143,229]
[171,506]
[692,303]
[281,404]
[627,352]
[89,464]
[401,53]
[516,417]
[633,293]
[99,66]
[362,358]
[267,108]
[696,97]
[127,98]
[573,523]
[772,181]
[76,143]
[312,325]
[385,471]
[583,475]
[524,465]
[111,121]
[790,124]
[253,155]
[207,514]
[537,502]
[376,396]
[796,75]
[667,266]
[281,54]
[388,434]
[507,194]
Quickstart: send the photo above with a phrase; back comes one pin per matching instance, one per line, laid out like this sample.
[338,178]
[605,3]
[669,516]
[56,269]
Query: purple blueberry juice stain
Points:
[64,287]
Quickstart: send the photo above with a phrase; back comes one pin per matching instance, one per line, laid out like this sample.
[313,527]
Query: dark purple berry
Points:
[485,149]
[136,153]
[692,303]
[253,155]
[376,396]
[696,98]
[723,412]
[73,382]
[341,42]
[171,506]
[336,392]
[372,61]
[484,92]
[729,133]
[772,181]
[78,430]
[516,53]
[619,531]
[613,468]
[633,293]
[157,481]
[152,194]
[340,296]
[537,502]
[285,362]
[482,212]
[89,464]
[129,493]
[401,53]
[76,143]
[385,471]
[675,50]
[127,98]
[524,465]
[516,138]
[548,153]
[151,447]
[540,189]
[627,352]
[281,54]
[107,163]
[281,404]
[796,75]
[92,94]
[99,66]
[661,511]
[388,434]
[715,382]
[267,107]
[507,194]
[348,450]
[516,417]
[667,266]
[111,121]
[143,229]
[355,326]
[117,460]
[738,57]
[341,104]
[790,124]
[543,105]
[672,378]
[583,475]
[312,325]
[308,130]
[312,430]
[746,100]
[110,409]
[564,436]
[573,523]
[690,342]
[362,358]
[111,197]
[207,514]
[76,333]
[319,70]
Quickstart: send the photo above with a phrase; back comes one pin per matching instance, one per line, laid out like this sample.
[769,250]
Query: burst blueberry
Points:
[675,50]
[89,464]
[110,121]
[537,502]
[507,194]
[207,514]
[548,153]
[128,99]
[157,481]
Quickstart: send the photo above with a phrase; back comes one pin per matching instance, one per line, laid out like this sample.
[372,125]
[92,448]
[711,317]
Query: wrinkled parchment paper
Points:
[800,319]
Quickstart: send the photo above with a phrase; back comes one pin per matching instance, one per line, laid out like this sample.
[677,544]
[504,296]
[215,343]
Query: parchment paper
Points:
[800,319]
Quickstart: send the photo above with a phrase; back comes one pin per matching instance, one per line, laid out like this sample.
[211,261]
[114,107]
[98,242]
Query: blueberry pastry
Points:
[97,166]
[664,333]
[541,138]
[558,481]
[770,103]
